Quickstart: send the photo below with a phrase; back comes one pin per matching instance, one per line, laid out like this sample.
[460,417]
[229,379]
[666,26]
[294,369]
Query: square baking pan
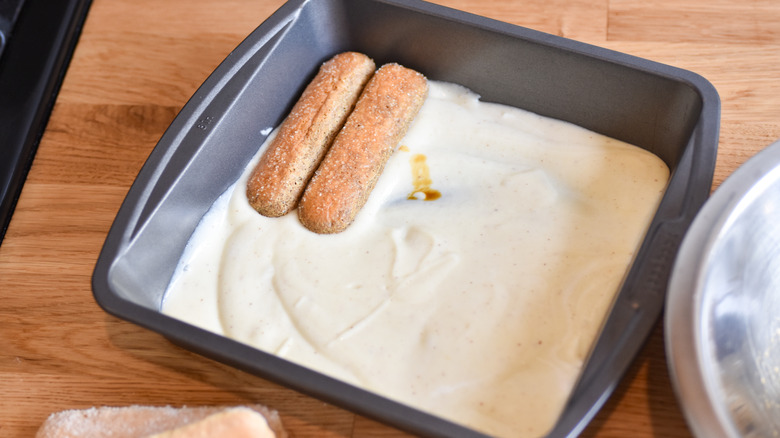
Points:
[671,112]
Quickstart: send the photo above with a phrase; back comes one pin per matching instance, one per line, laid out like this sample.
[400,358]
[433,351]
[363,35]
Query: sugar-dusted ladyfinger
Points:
[278,180]
[232,423]
[144,421]
[350,169]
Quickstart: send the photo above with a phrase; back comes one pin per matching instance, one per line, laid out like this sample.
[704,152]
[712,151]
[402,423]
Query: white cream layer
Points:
[479,306]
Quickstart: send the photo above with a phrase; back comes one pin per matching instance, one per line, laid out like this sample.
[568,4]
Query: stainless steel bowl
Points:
[723,307]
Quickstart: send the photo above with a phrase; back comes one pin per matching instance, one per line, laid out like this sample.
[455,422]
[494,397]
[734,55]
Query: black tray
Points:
[37,39]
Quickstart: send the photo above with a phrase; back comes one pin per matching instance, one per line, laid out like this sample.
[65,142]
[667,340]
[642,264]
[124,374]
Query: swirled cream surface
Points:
[471,285]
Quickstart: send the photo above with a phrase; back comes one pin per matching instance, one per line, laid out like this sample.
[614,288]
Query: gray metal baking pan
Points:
[671,112]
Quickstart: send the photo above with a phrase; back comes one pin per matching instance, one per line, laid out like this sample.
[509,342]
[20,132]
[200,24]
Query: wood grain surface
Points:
[137,63]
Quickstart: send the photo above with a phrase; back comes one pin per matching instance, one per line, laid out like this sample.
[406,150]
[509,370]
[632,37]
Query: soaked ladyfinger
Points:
[280,176]
[350,169]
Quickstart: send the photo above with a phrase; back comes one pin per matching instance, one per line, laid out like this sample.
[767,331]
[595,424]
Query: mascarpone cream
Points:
[471,285]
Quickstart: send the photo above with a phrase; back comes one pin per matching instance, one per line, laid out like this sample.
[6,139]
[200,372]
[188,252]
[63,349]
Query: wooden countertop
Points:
[137,63]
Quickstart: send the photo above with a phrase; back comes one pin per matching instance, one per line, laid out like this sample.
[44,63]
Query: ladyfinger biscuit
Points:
[232,423]
[349,171]
[304,136]
[143,421]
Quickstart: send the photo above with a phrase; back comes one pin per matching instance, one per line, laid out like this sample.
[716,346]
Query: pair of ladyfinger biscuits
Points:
[332,147]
